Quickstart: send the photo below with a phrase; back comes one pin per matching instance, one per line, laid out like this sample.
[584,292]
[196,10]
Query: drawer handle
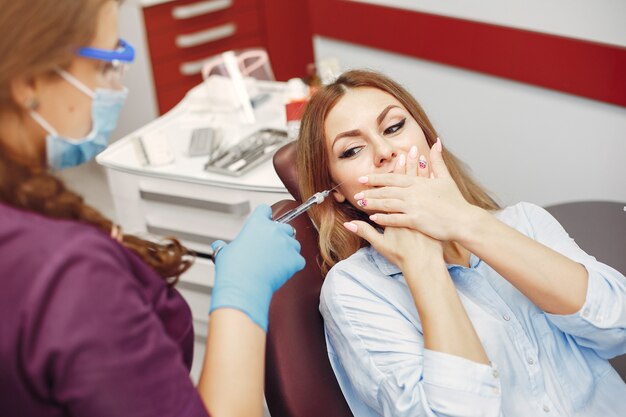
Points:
[206,36]
[192,237]
[198,9]
[194,67]
[241,208]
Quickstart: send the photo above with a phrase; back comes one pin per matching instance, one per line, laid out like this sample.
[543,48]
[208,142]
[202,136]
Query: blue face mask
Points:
[106,107]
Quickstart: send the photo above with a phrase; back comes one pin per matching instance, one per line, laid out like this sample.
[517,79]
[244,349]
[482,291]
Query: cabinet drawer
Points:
[179,14]
[198,214]
[166,45]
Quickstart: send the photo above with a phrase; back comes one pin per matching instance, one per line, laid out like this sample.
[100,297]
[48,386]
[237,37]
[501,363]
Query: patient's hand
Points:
[429,202]
[403,246]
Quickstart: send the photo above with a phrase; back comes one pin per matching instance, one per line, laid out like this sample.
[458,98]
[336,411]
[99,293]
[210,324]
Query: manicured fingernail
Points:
[373,217]
[359,196]
[413,152]
[363,180]
[362,202]
[437,145]
[422,162]
[402,160]
[350,226]
[432,176]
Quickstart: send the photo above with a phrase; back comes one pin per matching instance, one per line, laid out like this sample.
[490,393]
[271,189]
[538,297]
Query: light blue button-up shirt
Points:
[542,364]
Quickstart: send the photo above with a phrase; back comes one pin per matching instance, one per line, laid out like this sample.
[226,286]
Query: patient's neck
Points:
[454,253]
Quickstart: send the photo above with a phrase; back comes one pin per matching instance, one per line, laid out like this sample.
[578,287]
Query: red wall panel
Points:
[587,69]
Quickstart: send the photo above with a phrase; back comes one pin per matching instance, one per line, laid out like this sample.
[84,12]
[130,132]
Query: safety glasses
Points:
[114,62]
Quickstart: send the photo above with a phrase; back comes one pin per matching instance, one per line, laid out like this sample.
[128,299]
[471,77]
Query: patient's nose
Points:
[383,152]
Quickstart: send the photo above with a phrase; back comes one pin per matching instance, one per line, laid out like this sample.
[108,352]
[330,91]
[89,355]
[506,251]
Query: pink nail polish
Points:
[359,196]
[438,146]
[413,152]
[350,226]
[373,217]
[362,202]
[422,162]
[363,180]
[402,160]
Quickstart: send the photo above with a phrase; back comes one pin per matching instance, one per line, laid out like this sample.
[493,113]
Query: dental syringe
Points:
[316,198]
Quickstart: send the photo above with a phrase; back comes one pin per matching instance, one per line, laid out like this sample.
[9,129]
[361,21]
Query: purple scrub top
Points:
[86,327]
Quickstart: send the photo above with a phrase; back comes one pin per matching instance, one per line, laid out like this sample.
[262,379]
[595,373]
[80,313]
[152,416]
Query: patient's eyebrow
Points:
[349,133]
[357,132]
[382,114]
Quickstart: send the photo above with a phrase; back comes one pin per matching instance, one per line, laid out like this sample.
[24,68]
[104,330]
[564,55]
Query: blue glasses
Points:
[114,62]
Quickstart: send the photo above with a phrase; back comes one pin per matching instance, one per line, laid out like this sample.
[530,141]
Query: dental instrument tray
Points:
[247,153]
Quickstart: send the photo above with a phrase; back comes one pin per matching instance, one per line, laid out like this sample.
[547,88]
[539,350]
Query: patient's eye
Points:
[350,152]
[394,128]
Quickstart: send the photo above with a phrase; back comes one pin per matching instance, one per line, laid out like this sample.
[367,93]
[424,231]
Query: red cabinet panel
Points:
[179,14]
[171,72]
[181,34]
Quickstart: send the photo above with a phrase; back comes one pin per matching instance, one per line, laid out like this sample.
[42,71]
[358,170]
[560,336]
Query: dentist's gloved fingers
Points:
[217,244]
[248,271]
[291,241]
[262,210]
[412,162]
[288,229]
[295,244]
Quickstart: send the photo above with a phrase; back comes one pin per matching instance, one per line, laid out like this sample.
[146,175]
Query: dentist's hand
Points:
[252,267]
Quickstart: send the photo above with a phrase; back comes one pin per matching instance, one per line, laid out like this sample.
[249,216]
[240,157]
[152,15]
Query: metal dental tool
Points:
[316,198]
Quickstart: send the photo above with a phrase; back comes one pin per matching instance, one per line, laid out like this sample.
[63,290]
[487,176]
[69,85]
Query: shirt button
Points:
[495,373]
[530,361]
[506,317]
[546,409]
[496,390]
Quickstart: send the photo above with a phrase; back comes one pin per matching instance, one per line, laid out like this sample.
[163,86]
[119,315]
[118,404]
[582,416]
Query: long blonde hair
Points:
[38,36]
[313,166]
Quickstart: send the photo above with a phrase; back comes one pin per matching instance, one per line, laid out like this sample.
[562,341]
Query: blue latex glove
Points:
[248,271]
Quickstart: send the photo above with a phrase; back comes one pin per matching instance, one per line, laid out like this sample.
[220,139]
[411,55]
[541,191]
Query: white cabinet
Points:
[184,201]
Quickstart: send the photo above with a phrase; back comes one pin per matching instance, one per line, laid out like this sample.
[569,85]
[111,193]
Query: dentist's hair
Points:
[38,36]
[313,166]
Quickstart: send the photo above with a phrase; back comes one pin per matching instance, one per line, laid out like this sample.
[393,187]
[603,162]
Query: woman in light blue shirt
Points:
[437,301]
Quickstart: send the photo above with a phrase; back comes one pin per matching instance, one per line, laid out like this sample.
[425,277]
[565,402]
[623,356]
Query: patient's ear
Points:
[340,198]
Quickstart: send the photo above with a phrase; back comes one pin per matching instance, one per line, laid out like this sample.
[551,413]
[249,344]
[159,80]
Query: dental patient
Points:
[438,302]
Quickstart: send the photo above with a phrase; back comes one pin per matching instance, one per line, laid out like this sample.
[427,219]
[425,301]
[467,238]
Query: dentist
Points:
[90,322]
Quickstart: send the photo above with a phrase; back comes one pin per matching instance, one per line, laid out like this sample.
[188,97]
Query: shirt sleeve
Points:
[601,323]
[383,355]
[93,343]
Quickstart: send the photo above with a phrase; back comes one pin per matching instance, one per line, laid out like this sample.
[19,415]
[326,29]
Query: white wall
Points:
[141,106]
[522,142]
[90,179]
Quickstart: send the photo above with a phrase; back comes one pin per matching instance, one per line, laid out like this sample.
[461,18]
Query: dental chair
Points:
[599,228]
[299,380]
